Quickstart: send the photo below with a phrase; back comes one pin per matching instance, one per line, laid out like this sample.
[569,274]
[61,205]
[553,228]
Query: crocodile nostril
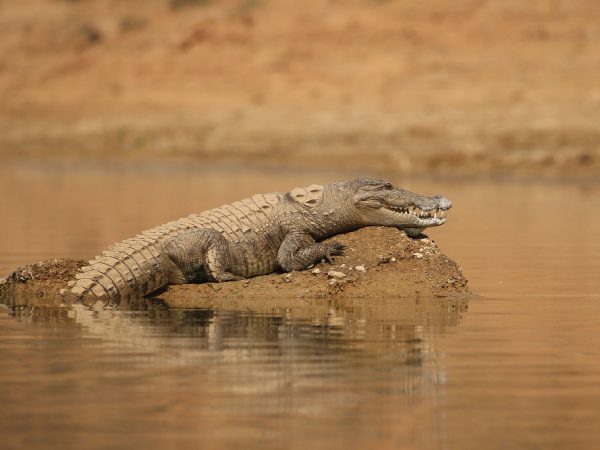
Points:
[442,201]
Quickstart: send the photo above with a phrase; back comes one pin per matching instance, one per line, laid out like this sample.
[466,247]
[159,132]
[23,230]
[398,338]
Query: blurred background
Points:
[117,116]
[461,87]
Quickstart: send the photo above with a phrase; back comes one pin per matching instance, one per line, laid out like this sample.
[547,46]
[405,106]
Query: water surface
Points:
[518,367]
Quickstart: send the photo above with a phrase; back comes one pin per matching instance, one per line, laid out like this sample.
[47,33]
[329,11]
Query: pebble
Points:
[418,255]
[332,282]
[336,274]
[360,268]
[316,271]
[287,277]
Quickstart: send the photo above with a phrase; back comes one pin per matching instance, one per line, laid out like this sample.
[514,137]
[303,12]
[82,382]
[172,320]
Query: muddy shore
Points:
[379,263]
[458,88]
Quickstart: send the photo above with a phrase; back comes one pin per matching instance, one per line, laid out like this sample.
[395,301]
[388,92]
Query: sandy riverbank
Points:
[409,87]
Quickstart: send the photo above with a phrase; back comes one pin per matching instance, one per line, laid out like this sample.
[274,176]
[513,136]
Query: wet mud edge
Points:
[378,262]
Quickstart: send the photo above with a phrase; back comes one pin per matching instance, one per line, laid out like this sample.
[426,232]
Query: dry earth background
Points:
[461,87]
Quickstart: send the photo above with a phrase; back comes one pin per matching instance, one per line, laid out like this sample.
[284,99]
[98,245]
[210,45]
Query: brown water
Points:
[517,368]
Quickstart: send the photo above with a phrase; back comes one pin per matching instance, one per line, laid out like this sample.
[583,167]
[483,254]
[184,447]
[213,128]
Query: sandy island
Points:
[379,262]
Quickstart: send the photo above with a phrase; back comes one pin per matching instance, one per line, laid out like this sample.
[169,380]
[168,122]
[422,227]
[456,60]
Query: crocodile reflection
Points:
[277,344]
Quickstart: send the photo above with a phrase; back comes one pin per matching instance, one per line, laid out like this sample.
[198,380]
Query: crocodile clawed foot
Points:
[334,248]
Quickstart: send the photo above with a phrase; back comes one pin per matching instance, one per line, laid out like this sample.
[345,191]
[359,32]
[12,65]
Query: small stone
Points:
[316,271]
[393,259]
[287,277]
[342,266]
[332,282]
[360,268]
[336,274]
[418,255]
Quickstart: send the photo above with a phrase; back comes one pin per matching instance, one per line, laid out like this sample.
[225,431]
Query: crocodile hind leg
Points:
[299,250]
[200,254]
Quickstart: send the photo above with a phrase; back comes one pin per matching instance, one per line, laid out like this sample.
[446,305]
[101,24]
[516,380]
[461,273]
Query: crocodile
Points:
[250,237]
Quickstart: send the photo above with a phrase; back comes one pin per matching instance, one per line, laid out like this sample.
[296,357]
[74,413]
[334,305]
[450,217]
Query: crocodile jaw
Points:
[415,217]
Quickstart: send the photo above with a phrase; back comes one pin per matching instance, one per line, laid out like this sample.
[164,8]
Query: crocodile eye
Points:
[383,187]
[378,185]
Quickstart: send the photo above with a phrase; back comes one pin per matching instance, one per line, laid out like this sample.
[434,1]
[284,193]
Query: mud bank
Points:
[451,88]
[379,262]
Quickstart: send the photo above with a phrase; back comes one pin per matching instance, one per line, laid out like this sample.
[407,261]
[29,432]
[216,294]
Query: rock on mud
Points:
[387,252]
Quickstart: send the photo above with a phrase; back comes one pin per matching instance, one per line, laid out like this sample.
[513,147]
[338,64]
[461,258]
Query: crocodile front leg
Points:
[299,250]
[200,254]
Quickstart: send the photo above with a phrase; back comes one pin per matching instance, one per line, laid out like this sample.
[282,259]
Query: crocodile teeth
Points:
[418,212]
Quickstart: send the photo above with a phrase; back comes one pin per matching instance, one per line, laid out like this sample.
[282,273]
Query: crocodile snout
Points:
[442,201]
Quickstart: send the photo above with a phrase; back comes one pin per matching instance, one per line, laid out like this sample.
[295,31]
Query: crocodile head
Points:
[379,203]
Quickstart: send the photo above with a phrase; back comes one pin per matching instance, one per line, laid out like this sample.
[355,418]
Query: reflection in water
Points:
[521,370]
[292,363]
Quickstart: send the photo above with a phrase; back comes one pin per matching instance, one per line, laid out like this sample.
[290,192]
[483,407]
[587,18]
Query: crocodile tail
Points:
[130,269]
